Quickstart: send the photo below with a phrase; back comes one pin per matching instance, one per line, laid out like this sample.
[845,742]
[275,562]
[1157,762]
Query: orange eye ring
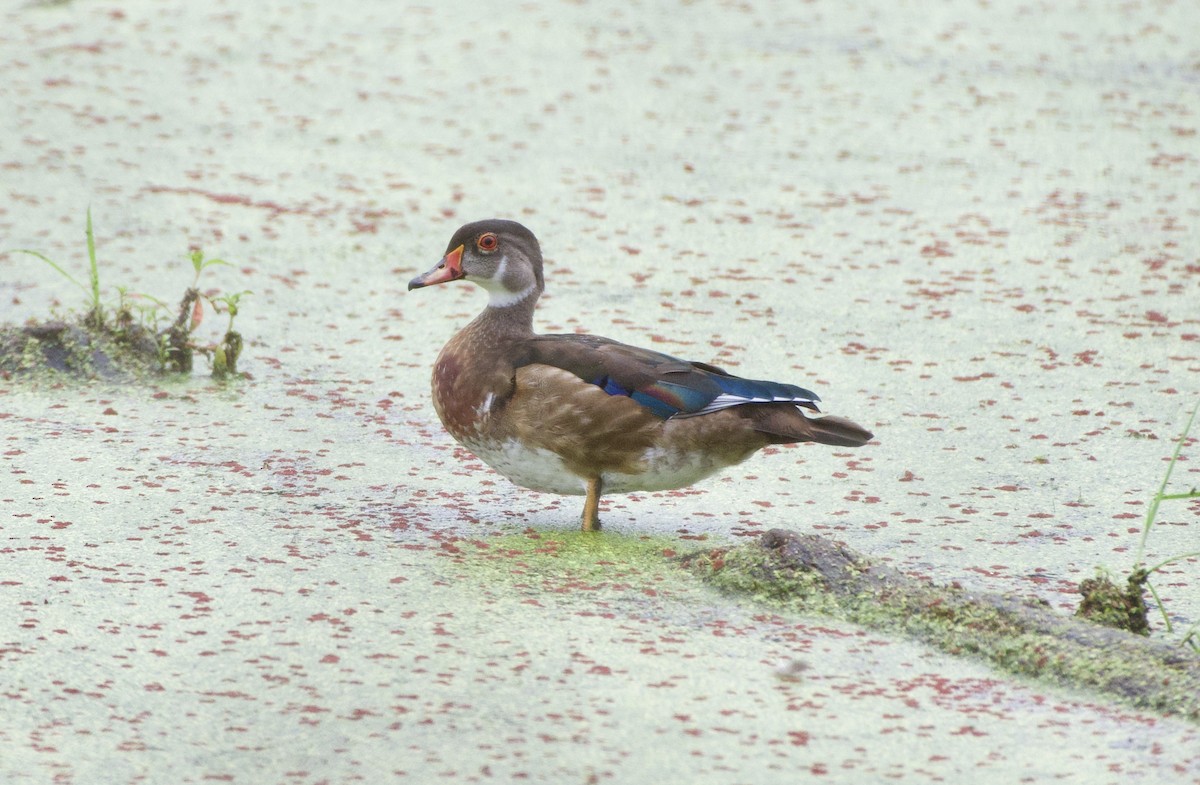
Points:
[487,242]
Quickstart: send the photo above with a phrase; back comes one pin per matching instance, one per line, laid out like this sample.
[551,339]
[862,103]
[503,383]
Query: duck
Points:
[583,415]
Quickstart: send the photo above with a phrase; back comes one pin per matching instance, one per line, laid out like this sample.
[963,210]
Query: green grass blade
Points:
[1162,609]
[50,262]
[1152,513]
[157,302]
[1165,562]
[94,271]
[1190,637]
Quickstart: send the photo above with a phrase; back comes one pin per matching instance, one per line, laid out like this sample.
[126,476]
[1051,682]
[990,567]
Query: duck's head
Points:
[501,256]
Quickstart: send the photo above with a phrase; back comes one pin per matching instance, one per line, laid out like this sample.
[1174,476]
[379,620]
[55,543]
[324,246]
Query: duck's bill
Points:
[448,269]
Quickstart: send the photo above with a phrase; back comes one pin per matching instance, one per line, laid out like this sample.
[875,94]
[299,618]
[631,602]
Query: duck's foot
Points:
[591,506]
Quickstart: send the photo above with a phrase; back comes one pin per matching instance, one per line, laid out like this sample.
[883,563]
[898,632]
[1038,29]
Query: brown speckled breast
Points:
[466,395]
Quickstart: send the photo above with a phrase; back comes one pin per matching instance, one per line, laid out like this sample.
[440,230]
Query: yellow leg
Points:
[591,506]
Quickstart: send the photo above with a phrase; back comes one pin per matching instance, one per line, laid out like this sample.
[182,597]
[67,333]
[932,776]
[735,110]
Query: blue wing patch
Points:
[707,392]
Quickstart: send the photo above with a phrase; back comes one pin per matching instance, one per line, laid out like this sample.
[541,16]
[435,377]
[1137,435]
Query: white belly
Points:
[540,469]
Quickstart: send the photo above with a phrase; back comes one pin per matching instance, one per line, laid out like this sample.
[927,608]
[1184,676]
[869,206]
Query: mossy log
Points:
[118,349]
[75,349]
[811,574]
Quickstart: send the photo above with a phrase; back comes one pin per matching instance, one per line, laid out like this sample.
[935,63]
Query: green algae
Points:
[573,559]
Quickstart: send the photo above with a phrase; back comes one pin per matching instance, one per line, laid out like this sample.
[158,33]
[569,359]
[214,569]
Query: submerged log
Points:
[808,573]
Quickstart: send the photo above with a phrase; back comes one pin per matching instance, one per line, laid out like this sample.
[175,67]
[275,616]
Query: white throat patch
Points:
[498,296]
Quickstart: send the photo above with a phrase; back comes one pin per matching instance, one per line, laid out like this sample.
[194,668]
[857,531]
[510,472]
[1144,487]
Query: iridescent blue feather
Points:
[707,392]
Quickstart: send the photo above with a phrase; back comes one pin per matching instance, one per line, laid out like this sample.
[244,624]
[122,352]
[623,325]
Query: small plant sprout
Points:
[150,309]
[199,263]
[230,303]
[225,354]
[1139,569]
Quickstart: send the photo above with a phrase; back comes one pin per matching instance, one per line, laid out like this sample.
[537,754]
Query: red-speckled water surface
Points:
[973,230]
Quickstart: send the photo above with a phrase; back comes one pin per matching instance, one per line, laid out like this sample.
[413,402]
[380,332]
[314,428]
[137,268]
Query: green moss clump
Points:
[1104,602]
[743,571]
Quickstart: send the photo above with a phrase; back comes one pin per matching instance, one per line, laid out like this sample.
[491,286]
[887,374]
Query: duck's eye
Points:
[488,242]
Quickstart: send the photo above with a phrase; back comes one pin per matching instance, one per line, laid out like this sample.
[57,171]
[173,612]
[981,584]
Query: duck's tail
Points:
[784,424]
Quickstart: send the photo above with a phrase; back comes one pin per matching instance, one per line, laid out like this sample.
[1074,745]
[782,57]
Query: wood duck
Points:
[585,415]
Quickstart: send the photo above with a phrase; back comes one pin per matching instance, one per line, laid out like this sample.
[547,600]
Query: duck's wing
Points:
[666,386]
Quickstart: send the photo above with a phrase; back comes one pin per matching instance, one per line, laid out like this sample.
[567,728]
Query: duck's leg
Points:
[591,506]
